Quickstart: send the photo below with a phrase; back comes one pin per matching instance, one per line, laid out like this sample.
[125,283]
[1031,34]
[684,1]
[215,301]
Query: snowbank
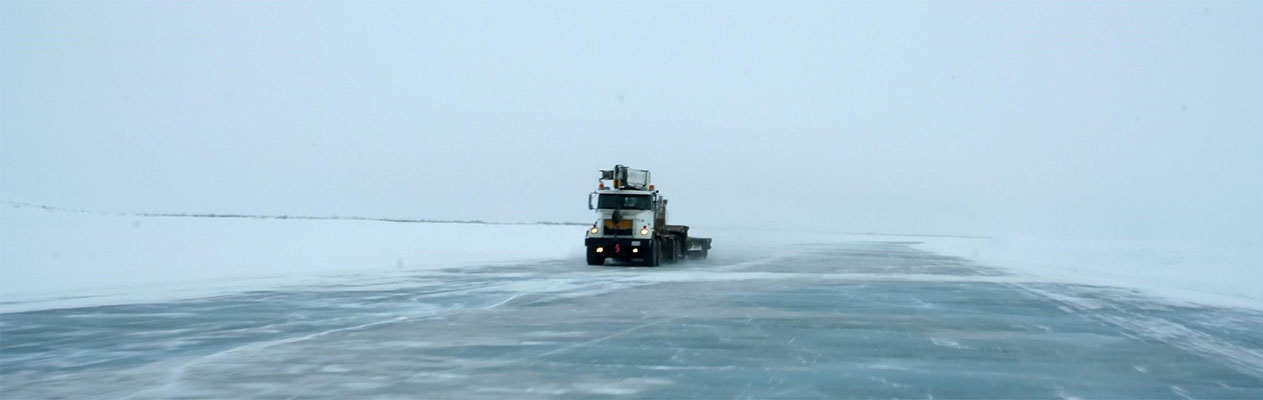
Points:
[58,259]
[1226,275]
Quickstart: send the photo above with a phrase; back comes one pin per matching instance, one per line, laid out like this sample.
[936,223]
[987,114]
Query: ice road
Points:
[861,319]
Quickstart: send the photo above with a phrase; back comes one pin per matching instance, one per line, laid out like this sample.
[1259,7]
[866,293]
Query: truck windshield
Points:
[625,201]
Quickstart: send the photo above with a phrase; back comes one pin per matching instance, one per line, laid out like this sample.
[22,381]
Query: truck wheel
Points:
[666,249]
[680,250]
[654,258]
[594,258]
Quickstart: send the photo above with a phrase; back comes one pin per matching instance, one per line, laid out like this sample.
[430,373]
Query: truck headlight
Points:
[644,231]
[593,230]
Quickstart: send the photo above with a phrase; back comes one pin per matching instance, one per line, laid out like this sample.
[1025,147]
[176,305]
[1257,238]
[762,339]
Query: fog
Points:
[1083,120]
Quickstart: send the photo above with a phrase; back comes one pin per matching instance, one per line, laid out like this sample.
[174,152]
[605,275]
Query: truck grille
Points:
[623,227]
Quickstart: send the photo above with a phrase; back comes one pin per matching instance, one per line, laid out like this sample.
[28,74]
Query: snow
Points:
[795,313]
[50,259]
[1206,273]
[55,259]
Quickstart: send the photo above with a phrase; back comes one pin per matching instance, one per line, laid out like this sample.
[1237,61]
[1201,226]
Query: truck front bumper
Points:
[621,248]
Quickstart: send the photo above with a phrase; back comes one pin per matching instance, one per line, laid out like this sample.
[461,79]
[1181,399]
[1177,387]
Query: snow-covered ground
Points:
[55,259]
[356,309]
[51,259]
[870,319]
[1207,273]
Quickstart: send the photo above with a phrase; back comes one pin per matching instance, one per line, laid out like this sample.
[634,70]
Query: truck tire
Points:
[666,252]
[594,258]
[654,258]
[680,251]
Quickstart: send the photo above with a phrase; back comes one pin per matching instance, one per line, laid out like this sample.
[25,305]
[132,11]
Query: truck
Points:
[631,224]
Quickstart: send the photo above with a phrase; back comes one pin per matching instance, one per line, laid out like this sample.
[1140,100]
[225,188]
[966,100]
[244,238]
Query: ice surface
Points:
[188,308]
[871,319]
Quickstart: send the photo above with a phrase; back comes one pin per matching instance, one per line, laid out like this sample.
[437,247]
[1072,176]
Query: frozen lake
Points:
[861,319]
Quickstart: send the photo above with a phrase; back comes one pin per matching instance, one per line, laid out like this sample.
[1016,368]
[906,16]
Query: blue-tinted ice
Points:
[871,320]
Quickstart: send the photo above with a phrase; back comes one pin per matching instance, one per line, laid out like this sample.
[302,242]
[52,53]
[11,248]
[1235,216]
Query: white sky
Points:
[1119,120]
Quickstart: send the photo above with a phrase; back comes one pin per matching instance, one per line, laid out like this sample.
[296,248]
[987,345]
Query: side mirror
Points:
[590,195]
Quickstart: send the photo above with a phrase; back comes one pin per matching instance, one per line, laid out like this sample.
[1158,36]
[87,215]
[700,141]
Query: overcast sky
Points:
[1115,120]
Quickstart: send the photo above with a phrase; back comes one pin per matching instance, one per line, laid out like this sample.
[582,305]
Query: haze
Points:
[1095,120]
